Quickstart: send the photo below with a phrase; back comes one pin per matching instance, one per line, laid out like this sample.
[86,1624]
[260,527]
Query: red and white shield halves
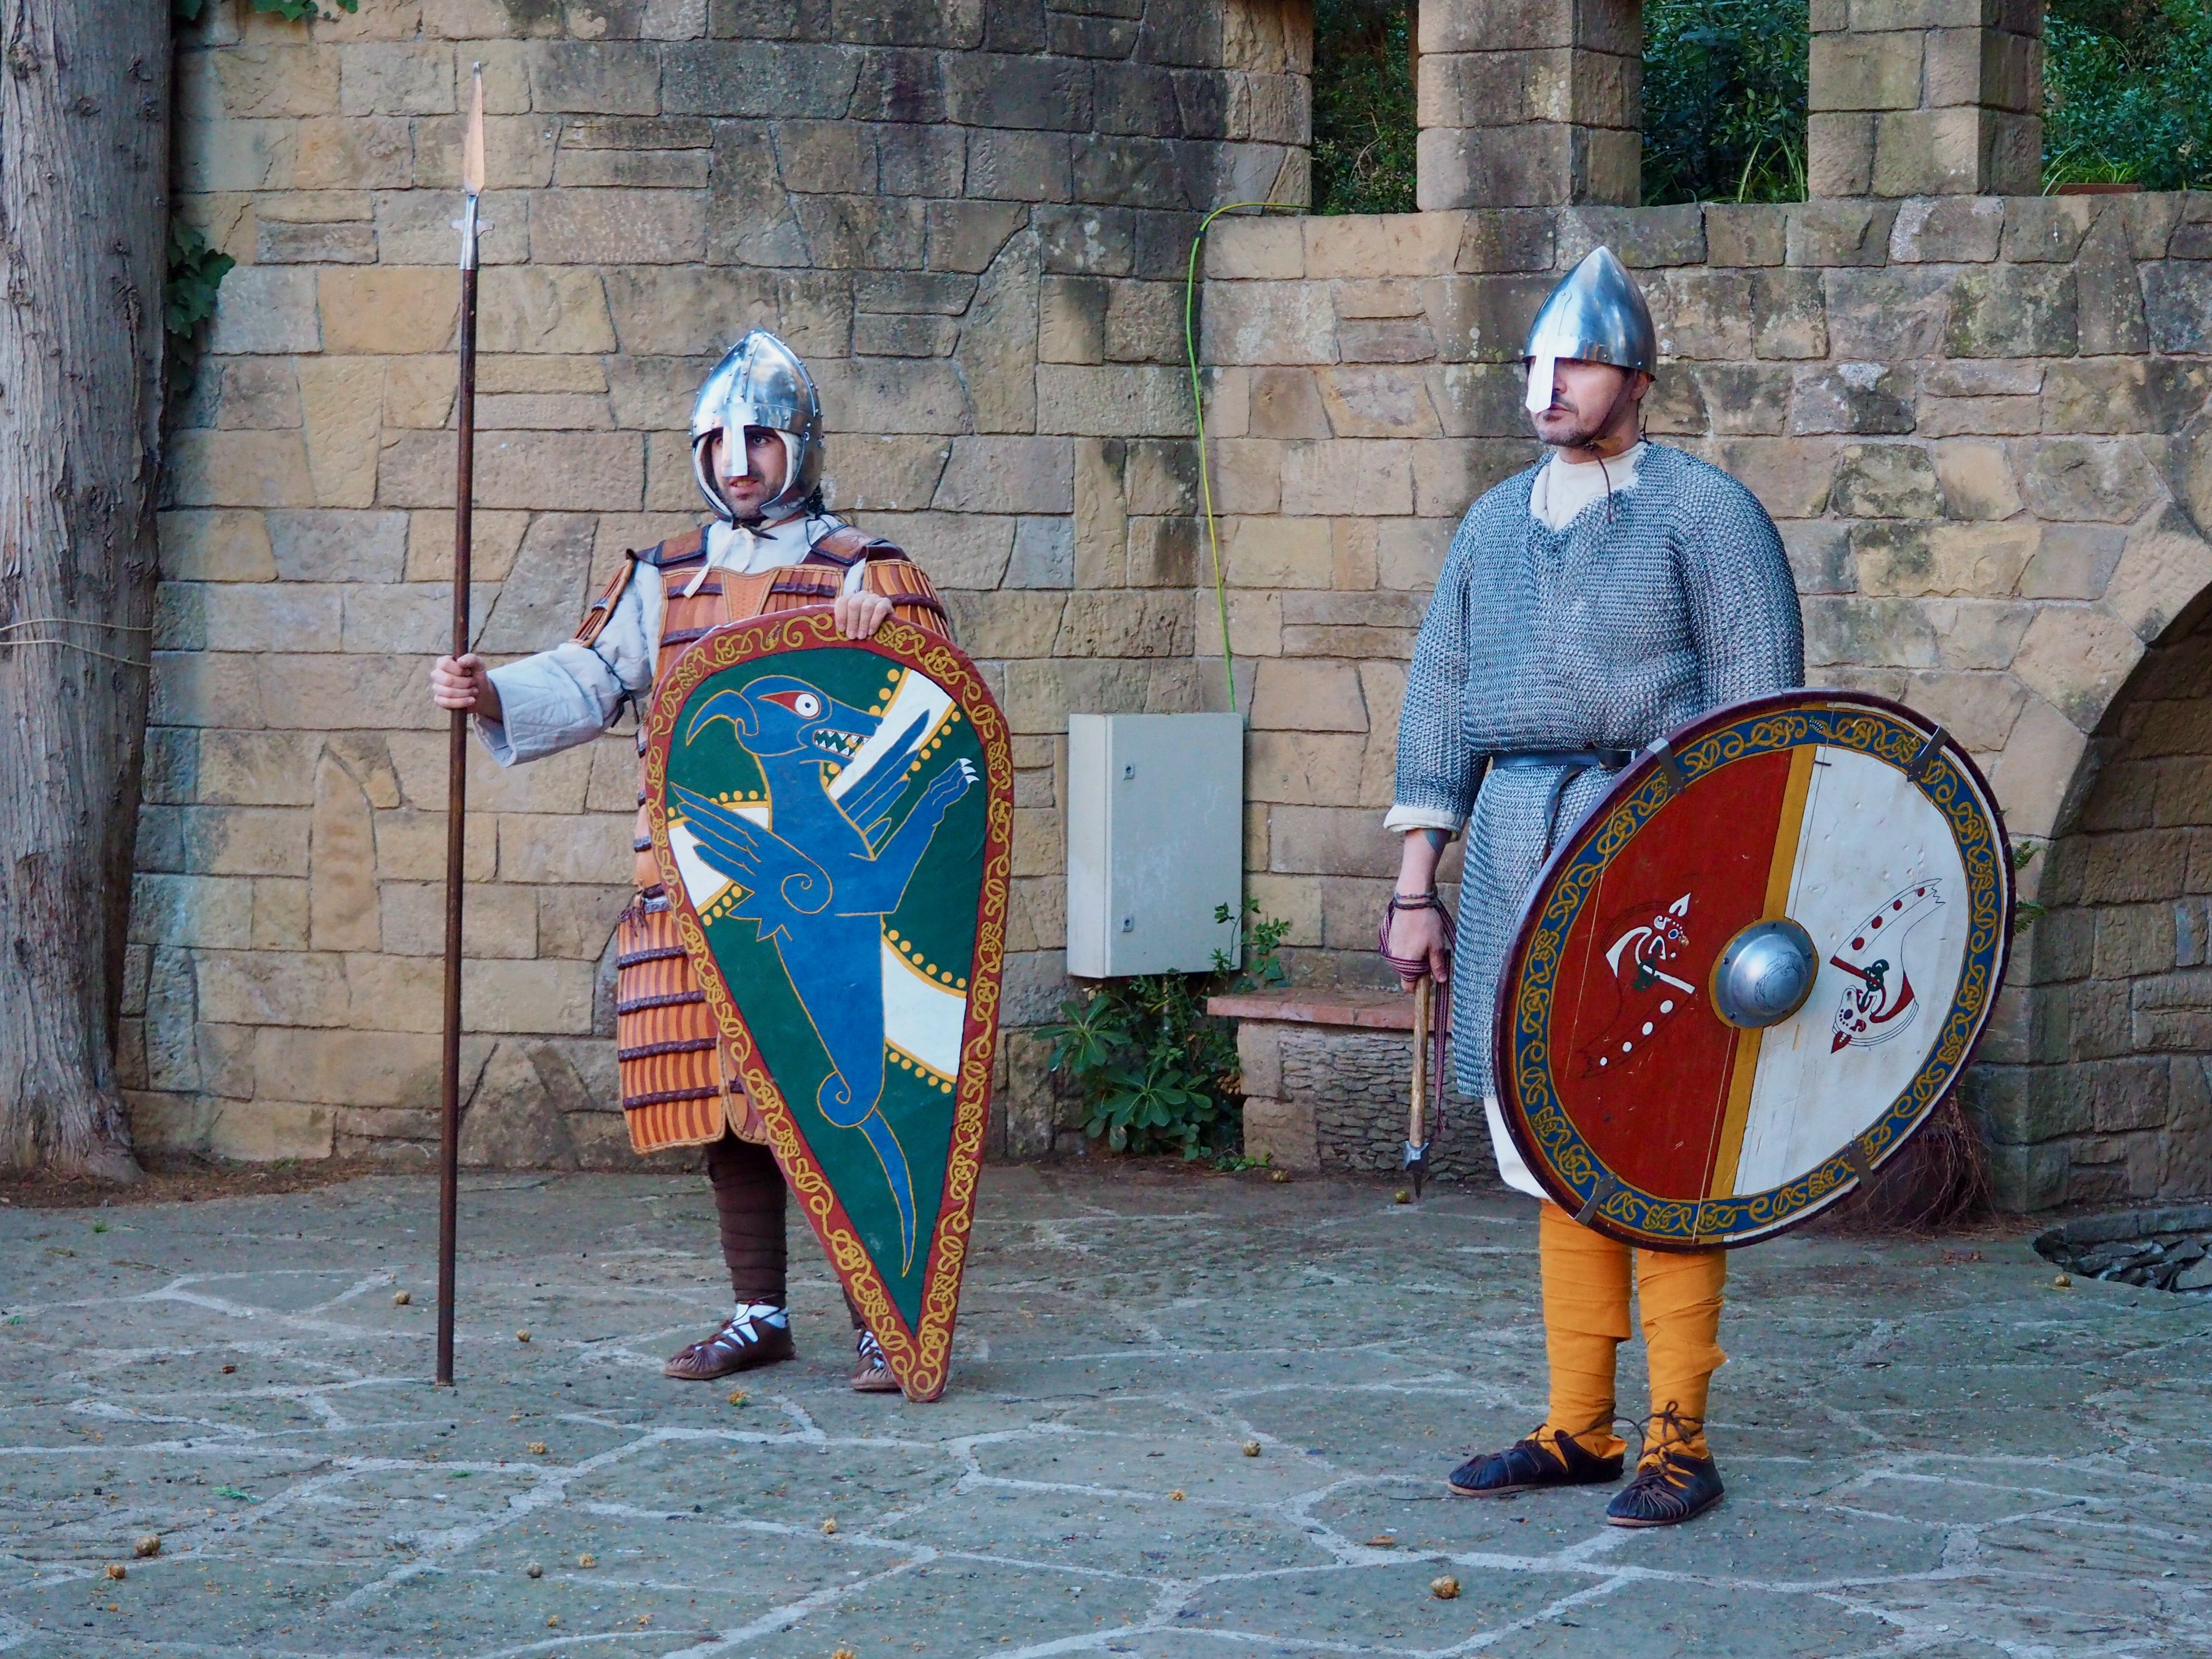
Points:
[1753,969]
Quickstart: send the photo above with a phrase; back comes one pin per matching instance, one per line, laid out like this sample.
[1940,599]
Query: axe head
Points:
[1417,1165]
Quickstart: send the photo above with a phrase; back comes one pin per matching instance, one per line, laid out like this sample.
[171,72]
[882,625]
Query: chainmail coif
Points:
[1655,604]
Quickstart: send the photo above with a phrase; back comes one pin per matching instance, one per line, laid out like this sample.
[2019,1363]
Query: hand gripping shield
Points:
[1746,979]
[832,819]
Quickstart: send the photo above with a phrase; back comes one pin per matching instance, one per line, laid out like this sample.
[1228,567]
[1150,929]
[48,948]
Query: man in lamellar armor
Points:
[756,452]
[1588,605]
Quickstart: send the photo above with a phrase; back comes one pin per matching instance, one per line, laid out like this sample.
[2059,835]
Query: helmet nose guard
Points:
[760,382]
[1595,315]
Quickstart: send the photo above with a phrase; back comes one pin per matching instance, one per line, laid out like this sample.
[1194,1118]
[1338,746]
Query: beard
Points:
[1563,427]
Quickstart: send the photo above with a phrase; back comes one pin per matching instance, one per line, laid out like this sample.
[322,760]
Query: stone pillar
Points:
[1926,98]
[1530,103]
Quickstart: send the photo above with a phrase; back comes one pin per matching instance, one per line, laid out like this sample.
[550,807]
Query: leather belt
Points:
[1576,760]
[1569,763]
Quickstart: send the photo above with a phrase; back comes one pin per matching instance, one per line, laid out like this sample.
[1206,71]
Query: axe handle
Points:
[1416,1132]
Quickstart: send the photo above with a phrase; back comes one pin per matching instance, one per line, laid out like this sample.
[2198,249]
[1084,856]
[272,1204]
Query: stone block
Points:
[2076,658]
[1009,475]
[1857,397]
[2012,310]
[1982,635]
[2047,229]
[1348,475]
[387,310]
[1926,560]
[1885,316]
[2076,562]
[1887,481]
[265,309]
[2177,305]
[1823,233]
[1977,708]
[1791,477]
[1308,696]
[1128,400]
[2034,775]
[2086,478]
[1264,324]
[1281,1133]
[2113,395]
[370,152]
[237,469]
[1820,556]
[397,79]
[2163,569]
[757,78]
[988,89]
[1947,229]
[1849,71]
[223,545]
[1377,403]
[1365,246]
[623,227]
[1840,153]
[1976,478]
[1740,234]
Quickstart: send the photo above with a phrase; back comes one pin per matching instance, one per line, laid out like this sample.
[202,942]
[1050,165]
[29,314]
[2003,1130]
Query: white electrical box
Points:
[1155,841]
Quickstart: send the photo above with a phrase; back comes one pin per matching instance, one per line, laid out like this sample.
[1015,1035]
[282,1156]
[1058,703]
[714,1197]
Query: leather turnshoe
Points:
[872,1372]
[1530,1465]
[1670,1487]
[742,1342]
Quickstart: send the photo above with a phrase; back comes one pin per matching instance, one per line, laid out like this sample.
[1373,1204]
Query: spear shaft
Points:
[457,754]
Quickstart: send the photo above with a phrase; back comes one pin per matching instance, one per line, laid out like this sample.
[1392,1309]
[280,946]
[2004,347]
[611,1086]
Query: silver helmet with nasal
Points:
[760,382]
[1595,315]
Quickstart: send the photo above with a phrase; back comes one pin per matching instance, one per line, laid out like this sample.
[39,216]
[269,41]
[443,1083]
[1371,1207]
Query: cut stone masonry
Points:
[1980,420]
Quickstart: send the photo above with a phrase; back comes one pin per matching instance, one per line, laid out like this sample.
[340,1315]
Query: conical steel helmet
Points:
[1595,315]
[761,382]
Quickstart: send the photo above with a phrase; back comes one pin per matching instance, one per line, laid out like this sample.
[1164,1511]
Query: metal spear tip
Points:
[472,142]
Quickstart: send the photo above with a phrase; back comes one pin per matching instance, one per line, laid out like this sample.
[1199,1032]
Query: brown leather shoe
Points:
[746,1340]
[872,1372]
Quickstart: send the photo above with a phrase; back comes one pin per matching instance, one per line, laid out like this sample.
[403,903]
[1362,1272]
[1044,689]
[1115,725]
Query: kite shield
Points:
[1746,979]
[831,819]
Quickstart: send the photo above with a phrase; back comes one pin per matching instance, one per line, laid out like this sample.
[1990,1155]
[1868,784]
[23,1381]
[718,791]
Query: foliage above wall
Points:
[295,10]
[1364,125]
[1725,101]
[2129,97]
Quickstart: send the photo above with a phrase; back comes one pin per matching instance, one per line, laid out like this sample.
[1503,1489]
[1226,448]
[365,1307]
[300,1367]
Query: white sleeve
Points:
[571,693]
[1401,818]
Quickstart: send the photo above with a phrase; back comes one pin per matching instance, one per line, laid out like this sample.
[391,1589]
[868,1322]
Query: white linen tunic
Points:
[557,699]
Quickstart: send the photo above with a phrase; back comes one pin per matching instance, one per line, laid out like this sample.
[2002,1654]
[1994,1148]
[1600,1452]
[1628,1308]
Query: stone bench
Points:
[1328,1075]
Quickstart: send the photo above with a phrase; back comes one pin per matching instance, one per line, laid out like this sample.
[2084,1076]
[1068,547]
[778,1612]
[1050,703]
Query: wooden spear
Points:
[457,754]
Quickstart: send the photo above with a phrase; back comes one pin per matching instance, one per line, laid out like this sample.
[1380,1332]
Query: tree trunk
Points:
[84,125]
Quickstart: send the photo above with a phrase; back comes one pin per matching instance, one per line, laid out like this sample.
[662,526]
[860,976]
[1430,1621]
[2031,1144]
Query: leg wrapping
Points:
[1679,1299]
[749,1207]
[1585,1321]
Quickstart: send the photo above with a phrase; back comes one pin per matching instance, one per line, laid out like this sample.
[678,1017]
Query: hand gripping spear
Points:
[457,758]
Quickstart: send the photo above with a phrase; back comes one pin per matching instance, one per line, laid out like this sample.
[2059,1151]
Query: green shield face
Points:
[831,816]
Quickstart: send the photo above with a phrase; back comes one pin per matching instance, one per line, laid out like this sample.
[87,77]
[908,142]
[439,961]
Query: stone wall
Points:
[971,216]
[1981,422]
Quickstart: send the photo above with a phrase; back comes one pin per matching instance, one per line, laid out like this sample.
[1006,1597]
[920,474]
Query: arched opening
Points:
[2113,1102]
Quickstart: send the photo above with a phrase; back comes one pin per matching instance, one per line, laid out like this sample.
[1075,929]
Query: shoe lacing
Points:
[870,1350]
[1663,1460]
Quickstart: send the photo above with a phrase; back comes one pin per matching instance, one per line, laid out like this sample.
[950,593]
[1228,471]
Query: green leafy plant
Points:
[1725,101]
[1155,1071]
[295,10]
[196,273]
[2127,98]
[1364,128]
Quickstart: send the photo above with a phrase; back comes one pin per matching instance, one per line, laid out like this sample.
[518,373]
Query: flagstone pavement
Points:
[1930,1449]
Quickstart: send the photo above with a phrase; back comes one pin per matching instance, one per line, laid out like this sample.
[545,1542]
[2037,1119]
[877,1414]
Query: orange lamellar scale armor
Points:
[679,1081]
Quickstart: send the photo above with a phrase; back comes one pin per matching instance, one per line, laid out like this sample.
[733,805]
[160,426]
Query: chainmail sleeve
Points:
[1742,600]
[1439,771]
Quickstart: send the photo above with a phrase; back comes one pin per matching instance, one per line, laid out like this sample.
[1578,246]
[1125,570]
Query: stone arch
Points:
[2096,1084]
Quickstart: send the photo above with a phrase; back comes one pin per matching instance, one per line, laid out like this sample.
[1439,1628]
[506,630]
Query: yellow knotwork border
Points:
[1556,1150]
[919,1358]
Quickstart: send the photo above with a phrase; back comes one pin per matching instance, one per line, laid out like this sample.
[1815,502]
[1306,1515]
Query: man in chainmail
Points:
[1588,606]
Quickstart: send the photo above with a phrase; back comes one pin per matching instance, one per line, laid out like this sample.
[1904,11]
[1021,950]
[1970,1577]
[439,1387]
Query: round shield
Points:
[1753,969]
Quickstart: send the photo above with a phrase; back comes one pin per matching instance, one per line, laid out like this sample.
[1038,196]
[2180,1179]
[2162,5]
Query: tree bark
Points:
[84,122]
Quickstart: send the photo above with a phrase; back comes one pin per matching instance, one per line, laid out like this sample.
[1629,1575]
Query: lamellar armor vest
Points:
[679,1081]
